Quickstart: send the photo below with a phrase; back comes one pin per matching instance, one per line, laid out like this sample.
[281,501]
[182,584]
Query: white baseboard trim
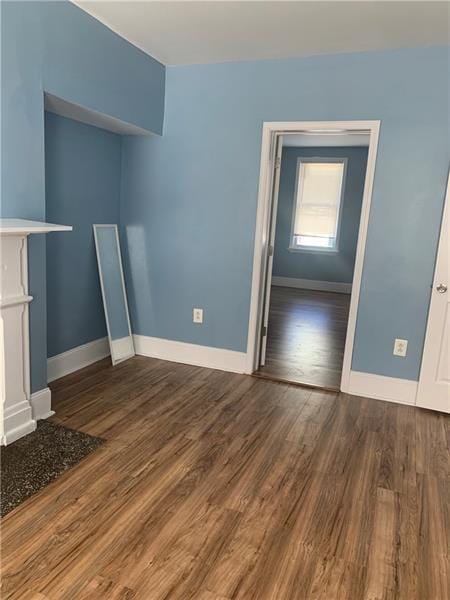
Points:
[191,354]
[17,422]
[311,284]
[77,358]
[391,389]
[41,404]
[20,419]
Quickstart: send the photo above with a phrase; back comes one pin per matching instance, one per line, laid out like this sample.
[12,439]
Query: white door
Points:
[273,222]
[434,384]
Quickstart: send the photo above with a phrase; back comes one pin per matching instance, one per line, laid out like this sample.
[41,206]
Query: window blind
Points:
[318,198]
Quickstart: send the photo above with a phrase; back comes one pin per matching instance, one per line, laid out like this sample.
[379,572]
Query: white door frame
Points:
[270,131]
[273,200]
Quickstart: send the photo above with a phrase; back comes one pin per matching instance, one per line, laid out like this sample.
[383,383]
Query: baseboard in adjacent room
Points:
[191,354]
[311,284]
[379,387]
[77,358]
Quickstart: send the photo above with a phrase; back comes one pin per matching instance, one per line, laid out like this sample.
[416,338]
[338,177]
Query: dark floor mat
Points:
[34,461]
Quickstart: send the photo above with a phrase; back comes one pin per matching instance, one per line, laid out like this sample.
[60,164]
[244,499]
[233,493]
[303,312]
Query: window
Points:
[317,206]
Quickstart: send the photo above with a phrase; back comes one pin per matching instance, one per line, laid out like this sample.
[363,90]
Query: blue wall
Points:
[82,176]
[320,266]
[189,198]
[57,47]
[188,201]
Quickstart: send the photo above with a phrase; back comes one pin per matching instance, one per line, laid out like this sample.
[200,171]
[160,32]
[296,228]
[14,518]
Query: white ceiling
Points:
[189,32]
[324,140]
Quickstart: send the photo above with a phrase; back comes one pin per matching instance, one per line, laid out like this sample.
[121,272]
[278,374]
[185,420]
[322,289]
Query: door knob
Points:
[441,288]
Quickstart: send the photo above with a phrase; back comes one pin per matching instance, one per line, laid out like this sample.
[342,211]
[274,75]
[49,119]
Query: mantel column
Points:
[14,341]
[16,405]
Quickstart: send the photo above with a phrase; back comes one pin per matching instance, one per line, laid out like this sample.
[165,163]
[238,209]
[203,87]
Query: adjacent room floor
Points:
[213,485]
[306,336]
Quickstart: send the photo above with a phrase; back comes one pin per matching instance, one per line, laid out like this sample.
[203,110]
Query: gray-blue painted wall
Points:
[189,198]
[58,48]
[188,201]
[320,266]
[82,177]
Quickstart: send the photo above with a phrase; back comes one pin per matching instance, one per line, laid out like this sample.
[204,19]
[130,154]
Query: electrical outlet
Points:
[400,347]
[197,315]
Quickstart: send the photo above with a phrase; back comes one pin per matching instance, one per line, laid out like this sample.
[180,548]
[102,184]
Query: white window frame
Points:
[317,249]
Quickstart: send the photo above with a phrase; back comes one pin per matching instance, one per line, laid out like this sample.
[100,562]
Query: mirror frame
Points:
[95,227]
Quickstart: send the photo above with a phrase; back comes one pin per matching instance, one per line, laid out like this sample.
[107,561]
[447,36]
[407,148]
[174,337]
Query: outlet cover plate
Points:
[400,347]
[197,315]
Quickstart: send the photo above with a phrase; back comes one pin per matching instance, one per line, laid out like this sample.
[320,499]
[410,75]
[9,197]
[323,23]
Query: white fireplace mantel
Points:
[17,415]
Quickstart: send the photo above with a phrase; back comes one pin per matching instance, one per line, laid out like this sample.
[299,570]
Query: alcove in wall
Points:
[83,155]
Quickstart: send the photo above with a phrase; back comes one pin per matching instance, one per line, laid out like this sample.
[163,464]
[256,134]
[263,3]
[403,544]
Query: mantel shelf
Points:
[25,227]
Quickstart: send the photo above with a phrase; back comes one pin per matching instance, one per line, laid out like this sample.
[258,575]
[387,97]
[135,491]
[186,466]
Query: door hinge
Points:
[264,331]
[270,250]
[276,162]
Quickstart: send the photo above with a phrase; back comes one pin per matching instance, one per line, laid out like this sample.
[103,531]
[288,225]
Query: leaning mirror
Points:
[113,291]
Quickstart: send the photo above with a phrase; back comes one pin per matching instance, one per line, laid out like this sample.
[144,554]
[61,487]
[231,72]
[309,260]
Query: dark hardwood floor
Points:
[213,486]
[306,337]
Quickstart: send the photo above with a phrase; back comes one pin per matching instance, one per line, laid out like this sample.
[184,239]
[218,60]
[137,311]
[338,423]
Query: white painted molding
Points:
[20,419]
[16,417]
[41,404]
[17,422]
[391,389]
[312,284]
[16,412]
[191,354]
[25,227]
[77,358]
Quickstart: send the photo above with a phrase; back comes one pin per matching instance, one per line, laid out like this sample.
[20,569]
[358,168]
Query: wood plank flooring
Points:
[216,486]
[306,336]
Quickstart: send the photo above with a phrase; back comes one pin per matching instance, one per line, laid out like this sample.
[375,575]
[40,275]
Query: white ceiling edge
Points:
[71,110]
[190,32]
[326,140]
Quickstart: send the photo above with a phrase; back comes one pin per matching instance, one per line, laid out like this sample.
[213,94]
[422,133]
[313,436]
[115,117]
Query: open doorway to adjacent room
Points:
[315,236]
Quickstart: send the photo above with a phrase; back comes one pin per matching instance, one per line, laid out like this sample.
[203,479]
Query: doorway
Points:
[314,200]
